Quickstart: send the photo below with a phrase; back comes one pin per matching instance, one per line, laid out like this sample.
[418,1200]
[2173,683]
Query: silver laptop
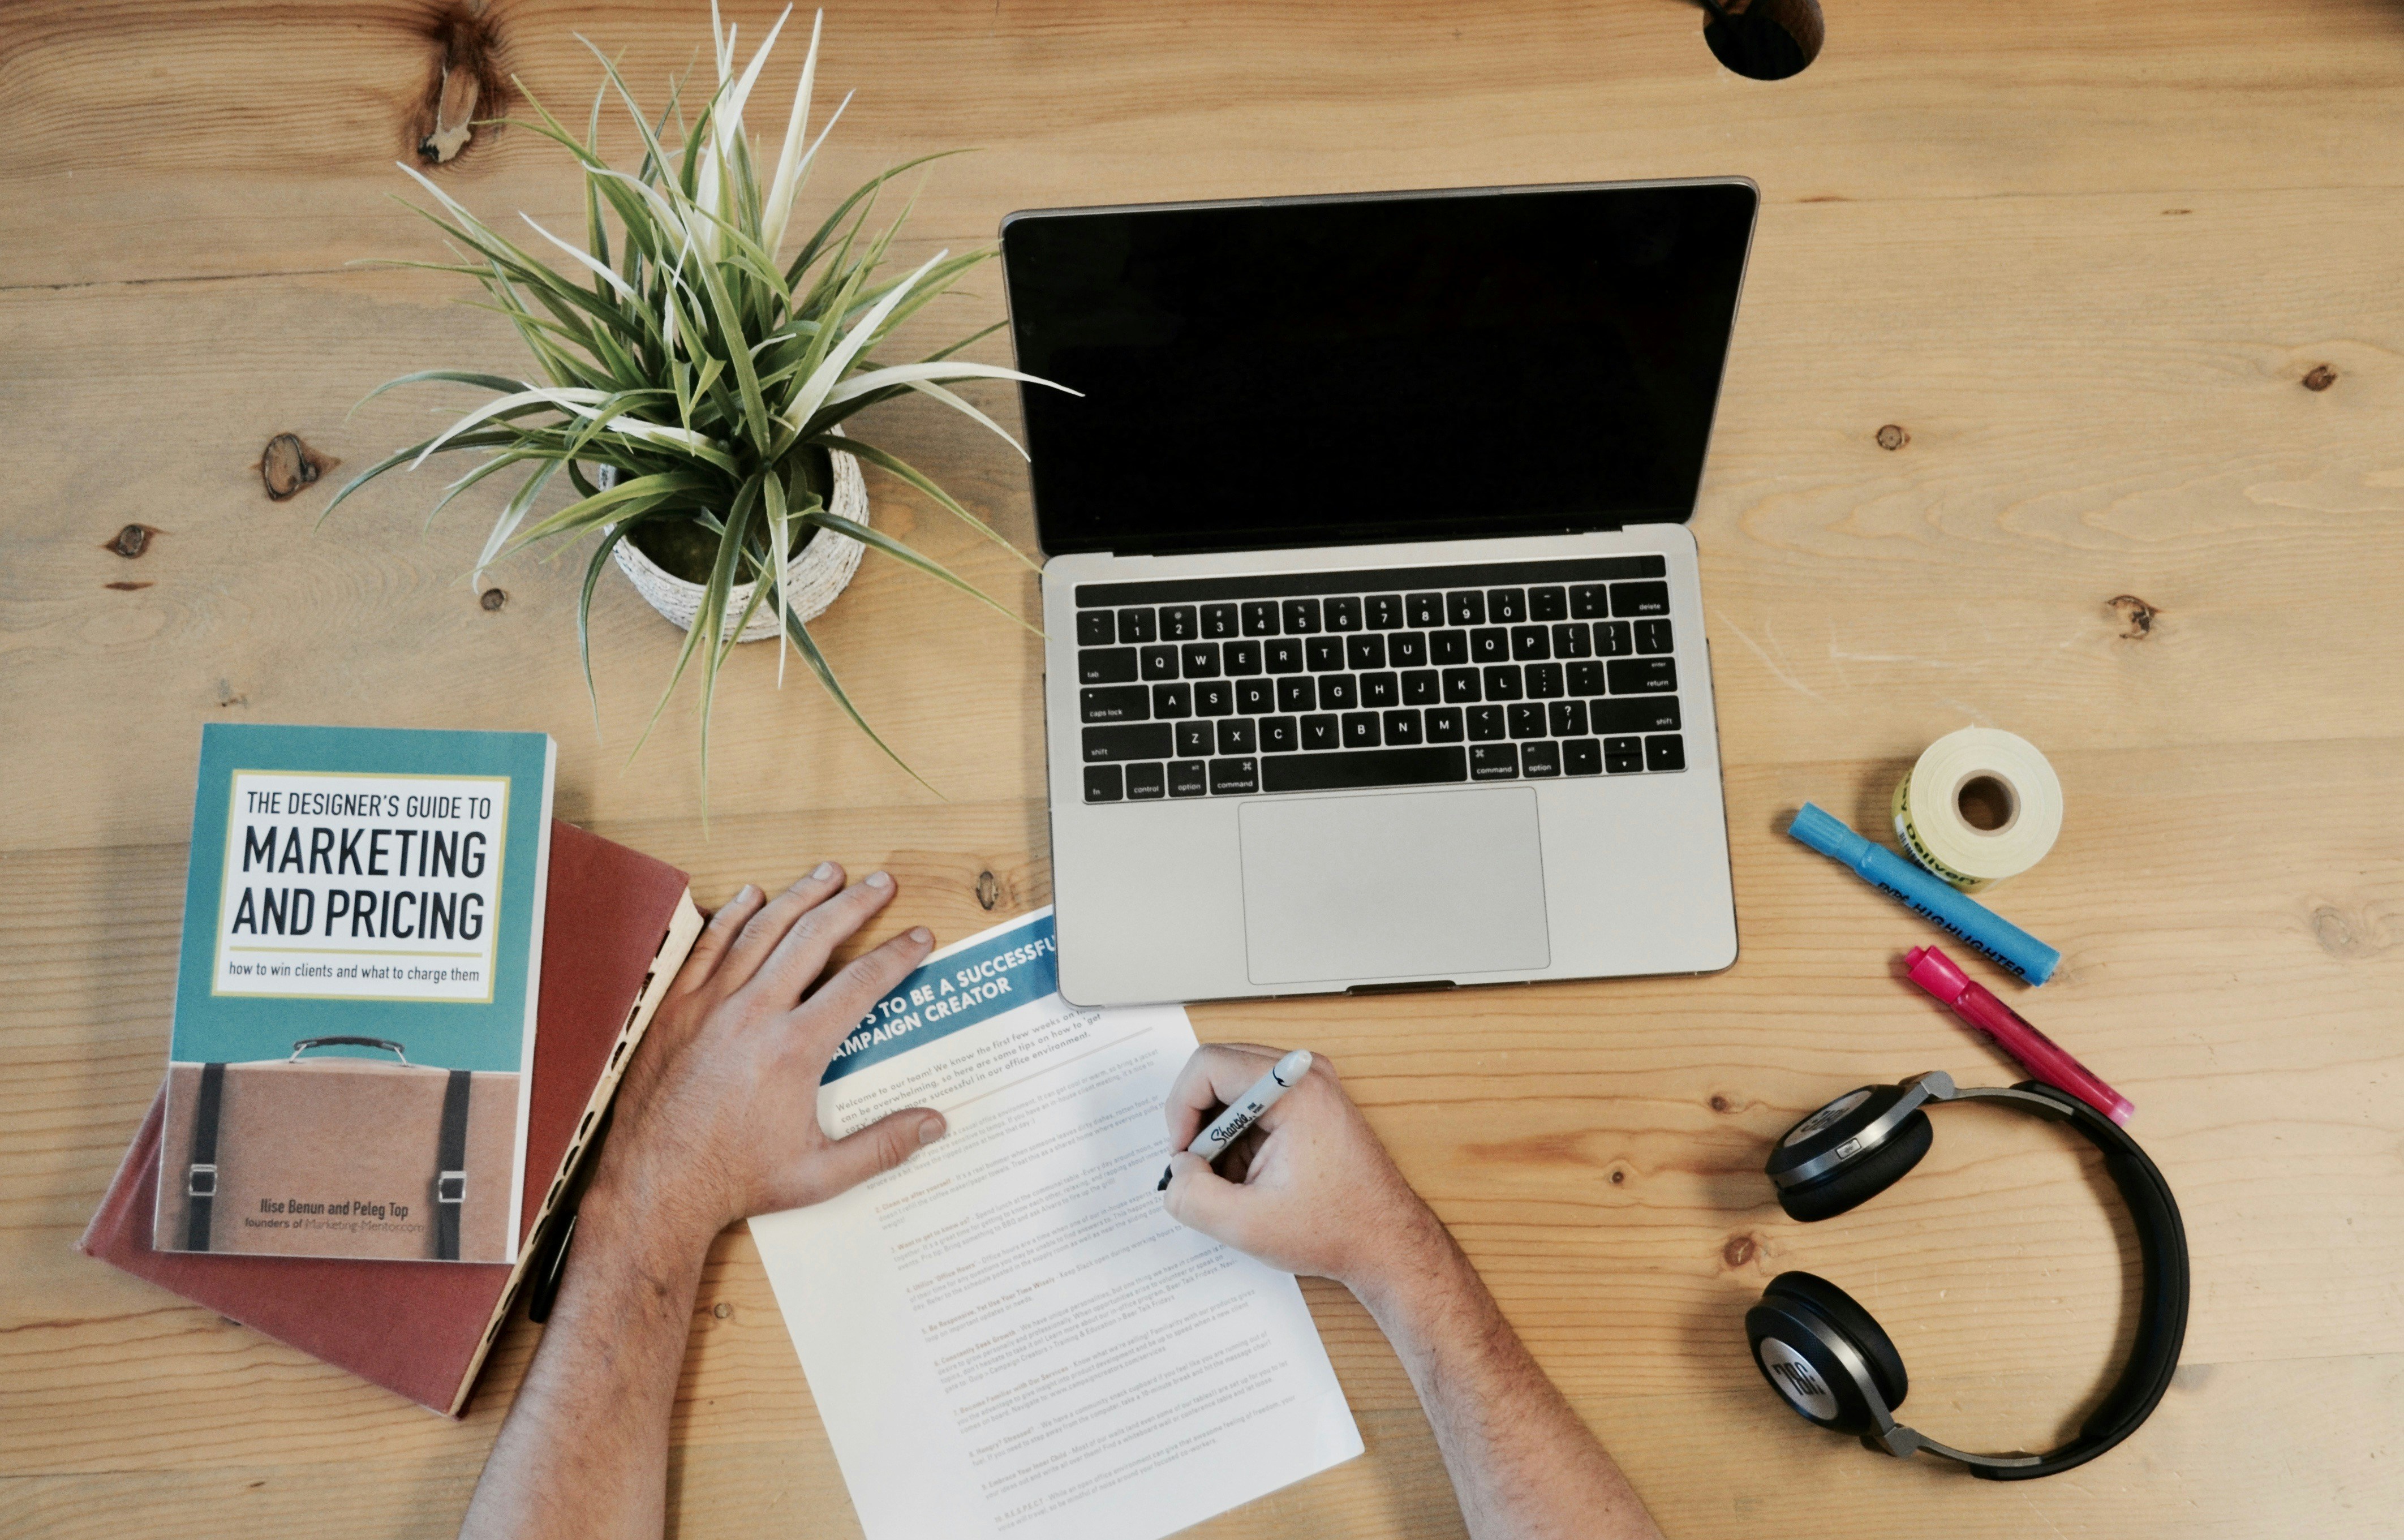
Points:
[1375,652]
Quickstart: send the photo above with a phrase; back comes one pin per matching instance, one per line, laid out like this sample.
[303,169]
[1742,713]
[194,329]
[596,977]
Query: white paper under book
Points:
[1008,1335]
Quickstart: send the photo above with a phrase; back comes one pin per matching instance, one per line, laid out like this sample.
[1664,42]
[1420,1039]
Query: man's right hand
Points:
[1311,1190]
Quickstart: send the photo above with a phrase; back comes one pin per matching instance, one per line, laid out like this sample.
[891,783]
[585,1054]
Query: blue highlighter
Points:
[1939,903]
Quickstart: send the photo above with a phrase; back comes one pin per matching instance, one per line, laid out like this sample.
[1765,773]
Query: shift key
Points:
[1148,740]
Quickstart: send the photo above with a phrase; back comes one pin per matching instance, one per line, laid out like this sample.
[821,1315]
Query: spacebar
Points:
[1366,767]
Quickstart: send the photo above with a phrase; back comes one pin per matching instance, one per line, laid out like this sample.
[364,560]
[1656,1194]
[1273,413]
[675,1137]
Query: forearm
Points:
[1521,1462]
[584,1449]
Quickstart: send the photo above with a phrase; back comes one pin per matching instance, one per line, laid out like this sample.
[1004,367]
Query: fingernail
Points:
[745,893]
[923,936]
[825,870]
[879,879]
[932,1130]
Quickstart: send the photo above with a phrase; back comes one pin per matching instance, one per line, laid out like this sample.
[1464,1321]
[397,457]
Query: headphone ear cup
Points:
[1856,1324]
[1862,1178]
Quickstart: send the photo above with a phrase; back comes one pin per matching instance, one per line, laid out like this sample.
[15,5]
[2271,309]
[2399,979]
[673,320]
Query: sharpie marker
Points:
[2038,1053]
[1246,1110]
[1939,903]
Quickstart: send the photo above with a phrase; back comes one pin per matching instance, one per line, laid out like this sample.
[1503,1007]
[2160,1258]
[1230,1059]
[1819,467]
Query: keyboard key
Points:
[1531,643]
[1236,737]
[1255,696]
[1339,693]
[1279,735]
[1326,654]
[1284,656]
[1219,621]
[1159,663]
[1361,730]
[1506,606]
[1407,648]
[1385,611]
[1213,698]
[1375,767]
[1589,601]
[1658,714]
[1297,694]
[1611,639]
[1420,688]
[1201,660]
[1527,719]
[1321,732]
[1582,757]
[1639,599]
[1096,628]
[1178,624]
[1460,687]
[1448,647]
[1540,760]
[1622,755]
[1344,614]
[1301,616]
[1665,753]
[1240,657]
[1503,682]
[1362,653]
[1106,666]
[1144,782]
[1549,604]
[1147,740]
[1114,703]
[1444,724]
[1381,690]
[1136,626]
[1486,723]
[1426,610]
[1400,727]
[1261,618]
[1234,778]
[1644,676]
[1544,681]
[1172,700]
[1187,778]
[1572,640]
[1566,719]
[1465,609]
[1494,761]
[1195,739]
[1653,636]
[1490,645]
[1105,783]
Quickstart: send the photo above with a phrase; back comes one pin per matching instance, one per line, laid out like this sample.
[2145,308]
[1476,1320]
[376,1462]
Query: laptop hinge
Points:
[1416,987]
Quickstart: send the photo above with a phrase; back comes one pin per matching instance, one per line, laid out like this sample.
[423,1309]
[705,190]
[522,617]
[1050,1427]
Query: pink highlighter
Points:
[2038,1053]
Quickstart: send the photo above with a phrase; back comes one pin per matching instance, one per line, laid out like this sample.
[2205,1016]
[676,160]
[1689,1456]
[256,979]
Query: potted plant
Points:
[695,383]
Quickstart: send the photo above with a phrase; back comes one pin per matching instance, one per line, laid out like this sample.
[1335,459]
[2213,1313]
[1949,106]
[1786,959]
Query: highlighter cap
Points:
[1826,833]
[1936,973]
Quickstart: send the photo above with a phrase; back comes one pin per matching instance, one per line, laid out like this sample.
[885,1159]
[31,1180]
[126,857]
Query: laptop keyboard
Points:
[1327,682]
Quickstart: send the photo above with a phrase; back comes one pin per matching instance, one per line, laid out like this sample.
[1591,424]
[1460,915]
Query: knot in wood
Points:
[129,542]
[2136,617]
[1720,1102]
[494,598]
[2321,377]
[1737,1252]
[988,888]
[1894,436]
[287,464]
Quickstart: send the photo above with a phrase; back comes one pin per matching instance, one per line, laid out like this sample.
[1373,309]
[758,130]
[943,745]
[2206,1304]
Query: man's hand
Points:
[719,1117]
[1308,1189]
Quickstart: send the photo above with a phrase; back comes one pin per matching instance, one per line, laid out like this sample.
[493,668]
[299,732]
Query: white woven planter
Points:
[815,575]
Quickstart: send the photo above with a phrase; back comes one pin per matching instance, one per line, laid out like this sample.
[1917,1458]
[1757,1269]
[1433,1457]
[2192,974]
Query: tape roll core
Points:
[1979,806]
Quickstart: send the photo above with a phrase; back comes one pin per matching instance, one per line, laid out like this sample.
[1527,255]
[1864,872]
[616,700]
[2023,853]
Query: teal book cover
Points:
[355,1000]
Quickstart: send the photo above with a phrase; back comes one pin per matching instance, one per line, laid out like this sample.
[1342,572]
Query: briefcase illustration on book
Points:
[338,1156]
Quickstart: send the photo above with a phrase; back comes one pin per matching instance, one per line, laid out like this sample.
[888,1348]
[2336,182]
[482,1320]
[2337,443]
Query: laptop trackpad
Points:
[1432,885]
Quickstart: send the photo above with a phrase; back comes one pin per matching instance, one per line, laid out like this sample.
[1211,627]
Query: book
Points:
[355,999]
[618,926]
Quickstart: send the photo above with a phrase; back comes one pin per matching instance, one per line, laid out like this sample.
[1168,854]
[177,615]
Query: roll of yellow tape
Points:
[1980,805]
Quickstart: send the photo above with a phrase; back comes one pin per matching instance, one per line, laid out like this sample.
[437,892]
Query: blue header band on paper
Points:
[978,981]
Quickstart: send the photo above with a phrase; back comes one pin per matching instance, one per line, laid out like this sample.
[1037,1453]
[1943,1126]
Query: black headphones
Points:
[1833,1363]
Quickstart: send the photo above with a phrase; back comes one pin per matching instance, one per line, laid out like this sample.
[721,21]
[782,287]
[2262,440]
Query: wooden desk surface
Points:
[2126,276]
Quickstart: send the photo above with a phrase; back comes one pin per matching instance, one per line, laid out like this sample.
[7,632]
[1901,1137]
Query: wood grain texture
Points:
[2124,283]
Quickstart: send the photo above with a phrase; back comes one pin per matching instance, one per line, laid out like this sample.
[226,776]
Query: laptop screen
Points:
[1313,371]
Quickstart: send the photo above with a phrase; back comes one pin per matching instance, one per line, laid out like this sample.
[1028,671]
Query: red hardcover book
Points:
[617,926]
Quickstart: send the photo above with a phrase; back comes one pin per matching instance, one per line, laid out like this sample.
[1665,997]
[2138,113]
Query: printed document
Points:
[1007,1336]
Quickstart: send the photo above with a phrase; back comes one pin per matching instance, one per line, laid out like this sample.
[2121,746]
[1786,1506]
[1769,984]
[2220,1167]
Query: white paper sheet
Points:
[1007,1336]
